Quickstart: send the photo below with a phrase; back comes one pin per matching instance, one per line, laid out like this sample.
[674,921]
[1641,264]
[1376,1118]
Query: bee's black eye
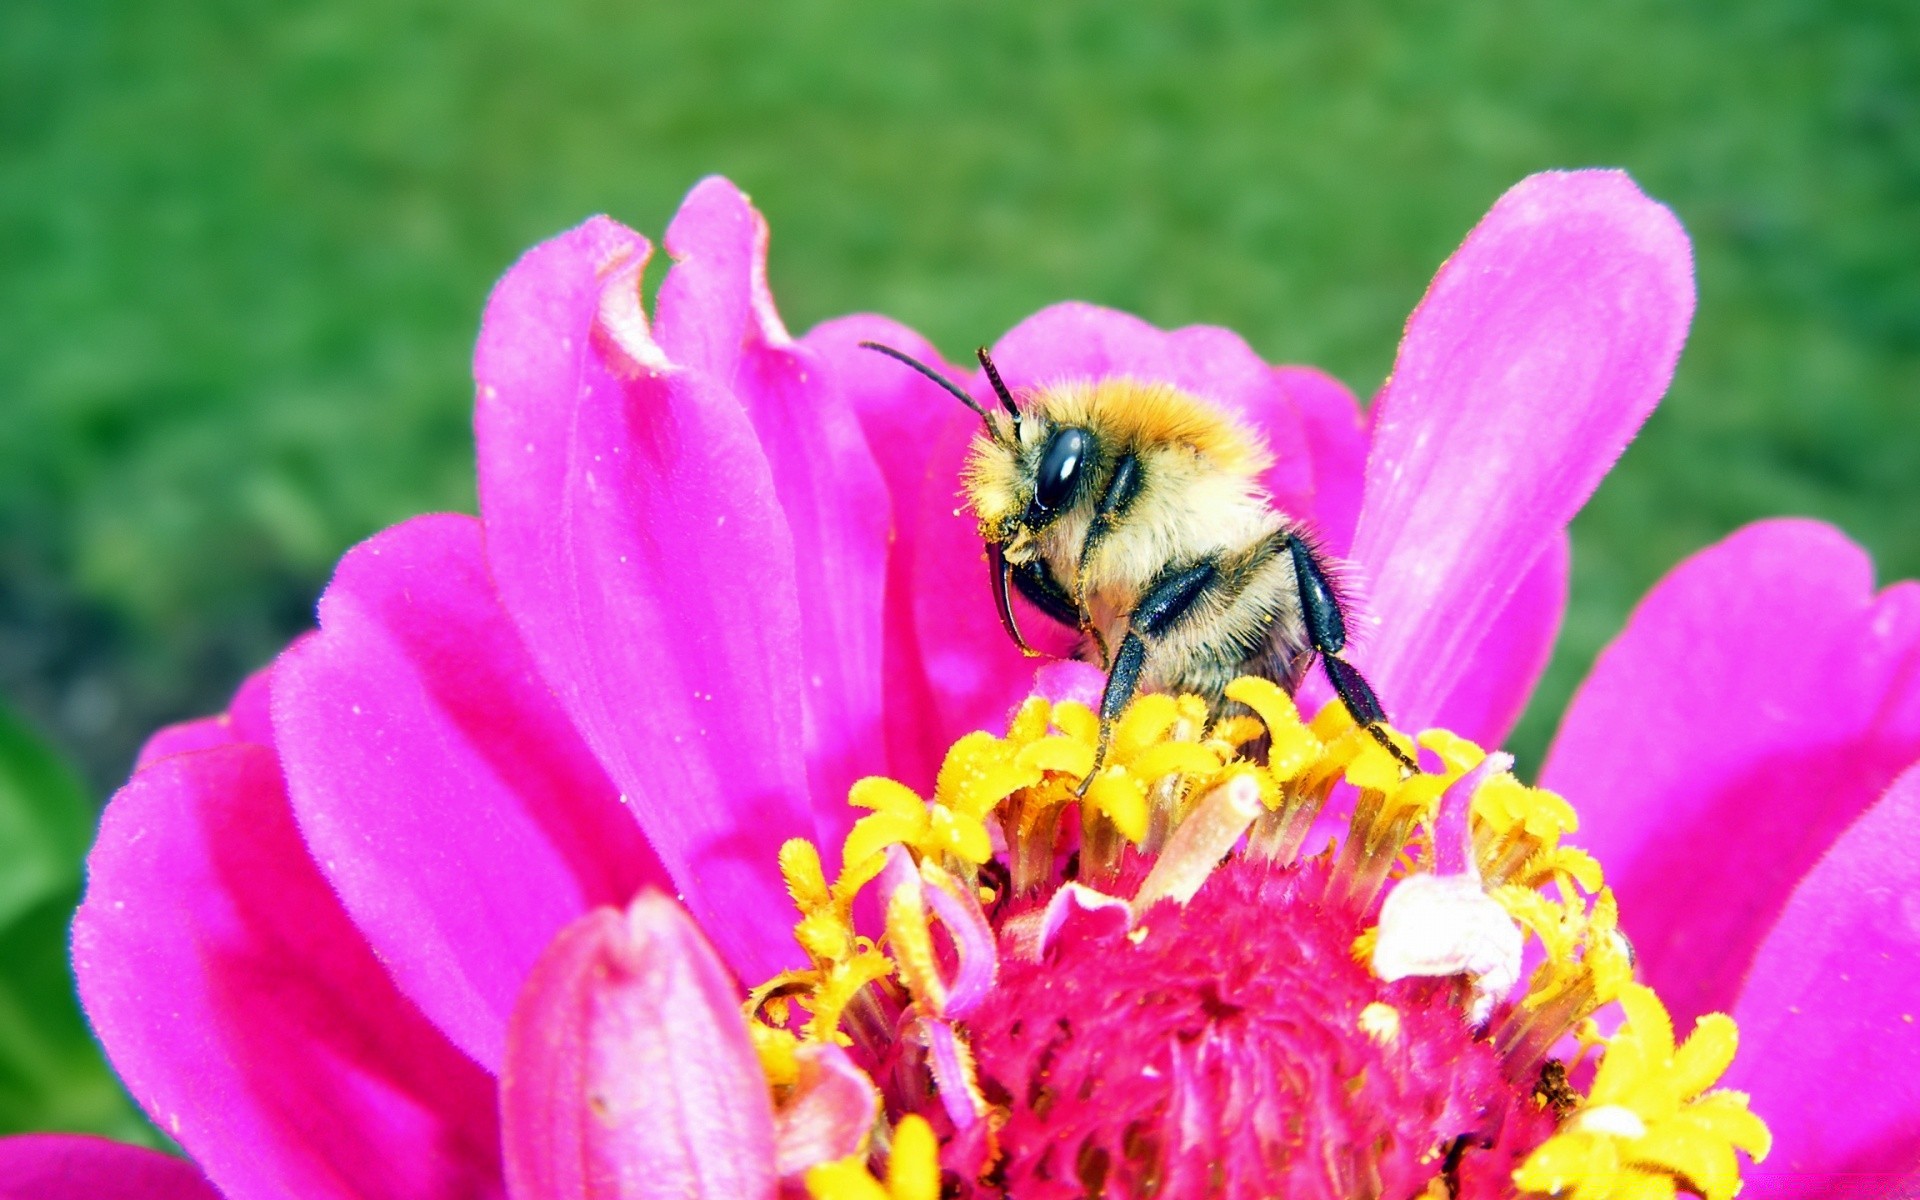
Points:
[1061,465]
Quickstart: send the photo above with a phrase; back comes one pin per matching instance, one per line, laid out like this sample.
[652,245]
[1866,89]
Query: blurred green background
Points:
[244,247]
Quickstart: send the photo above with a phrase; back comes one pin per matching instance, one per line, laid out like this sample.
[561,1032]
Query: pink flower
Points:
[373,933]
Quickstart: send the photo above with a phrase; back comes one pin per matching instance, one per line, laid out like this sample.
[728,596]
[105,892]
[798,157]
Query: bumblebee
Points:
[1133,512]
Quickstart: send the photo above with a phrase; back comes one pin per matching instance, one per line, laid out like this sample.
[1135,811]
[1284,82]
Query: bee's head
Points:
[1019,486]
[1023,470]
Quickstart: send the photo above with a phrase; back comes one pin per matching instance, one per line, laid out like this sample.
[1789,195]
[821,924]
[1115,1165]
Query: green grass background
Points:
[244,246]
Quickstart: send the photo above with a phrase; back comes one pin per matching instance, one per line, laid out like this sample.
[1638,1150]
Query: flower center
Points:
[1141,984]
[1234,1046]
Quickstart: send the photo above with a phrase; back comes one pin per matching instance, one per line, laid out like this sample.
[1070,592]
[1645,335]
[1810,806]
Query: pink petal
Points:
[899,412]
[1499,676]
[1537,352]
[246,720]
[62,1166]
[450,801]
[1830,1018]
[716,315]
[1487,702]
[1336,436]
[246,1014]
[1758,700]
[828,1114]
[629,1073]
[635,537]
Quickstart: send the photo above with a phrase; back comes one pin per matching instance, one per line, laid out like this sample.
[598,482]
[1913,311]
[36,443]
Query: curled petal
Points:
[634,534]
[1079,911]
[1758,700]
[976,959]
[245,1012]
[951,1064]
[1541,346]
[59,1166]
[829,1113]
[445,793]
[629,1072]
[716,314]
[1830,1017]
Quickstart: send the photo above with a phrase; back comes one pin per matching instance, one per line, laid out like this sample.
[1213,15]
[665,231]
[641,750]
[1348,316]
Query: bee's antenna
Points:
[999,389]
[934,375]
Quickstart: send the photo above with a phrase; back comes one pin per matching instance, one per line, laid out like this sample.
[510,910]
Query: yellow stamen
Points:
[1651,1124]
[910,941]
[1183,792]
[913,1169]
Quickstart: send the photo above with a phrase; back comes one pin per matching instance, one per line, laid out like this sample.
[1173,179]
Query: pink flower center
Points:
[1140,980]
[1234,1046]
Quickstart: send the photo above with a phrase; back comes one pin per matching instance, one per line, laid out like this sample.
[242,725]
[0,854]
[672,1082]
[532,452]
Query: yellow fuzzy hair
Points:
[1130,415]
[1127,416]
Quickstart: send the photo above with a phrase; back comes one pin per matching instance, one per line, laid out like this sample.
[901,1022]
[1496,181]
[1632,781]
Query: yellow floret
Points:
[1651,1125]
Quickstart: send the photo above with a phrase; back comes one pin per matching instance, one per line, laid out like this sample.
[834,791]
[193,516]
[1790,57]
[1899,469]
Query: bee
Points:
[1133,512]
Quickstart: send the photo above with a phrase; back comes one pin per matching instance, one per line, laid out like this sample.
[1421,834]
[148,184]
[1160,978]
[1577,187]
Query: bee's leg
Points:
[1122,682]
[1171,597]
[1327,636]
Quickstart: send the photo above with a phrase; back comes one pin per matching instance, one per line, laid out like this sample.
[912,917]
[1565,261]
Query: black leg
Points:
[1122,486]
[1327,635]
[1122,682]
[1171,597]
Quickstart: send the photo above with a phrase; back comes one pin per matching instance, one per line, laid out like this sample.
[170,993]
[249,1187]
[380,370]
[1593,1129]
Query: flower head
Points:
[374,931]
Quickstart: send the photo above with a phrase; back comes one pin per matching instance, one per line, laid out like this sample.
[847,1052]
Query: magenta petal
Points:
[899,412]
[61,1166]
[1541,346]
[1830,1017]
[201,733]
[450,801]
[1758,700]
[715,299]
[246,1014]
[629,1072]
[716,315]
[1336,433]
[634,535]
[1486,703]
[828,1113]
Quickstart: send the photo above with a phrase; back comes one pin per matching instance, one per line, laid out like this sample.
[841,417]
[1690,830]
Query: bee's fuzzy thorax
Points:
[1126,415]
[1134,414]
